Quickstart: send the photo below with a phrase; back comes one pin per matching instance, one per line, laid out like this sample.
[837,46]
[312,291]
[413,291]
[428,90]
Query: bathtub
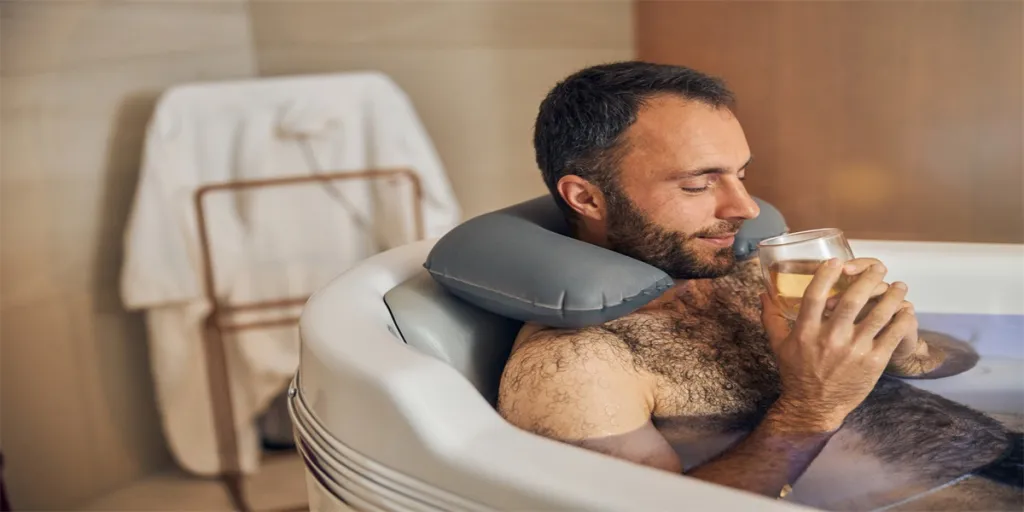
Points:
[382,425]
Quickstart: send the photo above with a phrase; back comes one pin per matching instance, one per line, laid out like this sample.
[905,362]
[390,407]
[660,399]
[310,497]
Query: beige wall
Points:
[77,83]
[476,71]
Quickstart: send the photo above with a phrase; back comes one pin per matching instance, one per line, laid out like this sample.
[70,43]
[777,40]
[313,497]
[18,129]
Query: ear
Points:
[582,196]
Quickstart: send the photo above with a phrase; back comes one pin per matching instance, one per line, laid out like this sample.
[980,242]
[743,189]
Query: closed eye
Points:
[709,180]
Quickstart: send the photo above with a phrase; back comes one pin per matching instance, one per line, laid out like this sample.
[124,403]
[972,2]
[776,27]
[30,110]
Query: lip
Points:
[719,241]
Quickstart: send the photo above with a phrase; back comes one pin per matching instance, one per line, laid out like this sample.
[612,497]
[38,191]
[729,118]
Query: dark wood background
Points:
[888,119]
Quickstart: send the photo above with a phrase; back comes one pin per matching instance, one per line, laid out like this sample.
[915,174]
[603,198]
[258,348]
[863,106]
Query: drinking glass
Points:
[789,262]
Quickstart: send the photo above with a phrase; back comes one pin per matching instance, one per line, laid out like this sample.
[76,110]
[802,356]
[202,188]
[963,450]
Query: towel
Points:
[267,244]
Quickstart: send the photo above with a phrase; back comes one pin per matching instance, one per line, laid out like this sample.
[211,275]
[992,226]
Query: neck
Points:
[590,236]
[682,287]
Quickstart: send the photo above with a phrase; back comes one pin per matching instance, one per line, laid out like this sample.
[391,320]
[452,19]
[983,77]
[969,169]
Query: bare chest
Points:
[710,357]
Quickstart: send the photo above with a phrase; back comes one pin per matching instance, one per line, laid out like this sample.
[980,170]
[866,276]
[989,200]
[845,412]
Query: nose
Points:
[734,203]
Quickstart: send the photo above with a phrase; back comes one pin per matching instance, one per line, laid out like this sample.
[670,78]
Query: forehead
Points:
[672,134]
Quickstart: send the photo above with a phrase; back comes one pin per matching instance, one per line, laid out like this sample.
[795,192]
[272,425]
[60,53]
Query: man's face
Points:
[679,198]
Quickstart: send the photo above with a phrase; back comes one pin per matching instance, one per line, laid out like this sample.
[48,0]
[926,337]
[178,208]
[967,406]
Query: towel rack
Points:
[218,322]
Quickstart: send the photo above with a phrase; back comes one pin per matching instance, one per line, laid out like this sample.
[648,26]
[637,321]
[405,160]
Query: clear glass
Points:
[788,263]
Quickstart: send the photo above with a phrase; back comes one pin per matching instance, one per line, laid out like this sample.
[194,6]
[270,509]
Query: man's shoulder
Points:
[557,381]
[569,345]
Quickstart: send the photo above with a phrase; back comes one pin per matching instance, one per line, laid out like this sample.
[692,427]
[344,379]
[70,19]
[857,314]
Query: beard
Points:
[677,254]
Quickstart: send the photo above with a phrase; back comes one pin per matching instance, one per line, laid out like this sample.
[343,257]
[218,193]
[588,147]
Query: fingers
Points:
[812,306]
[907,347]
[877,292]
[855,267]
[904,324]
[880,315]
[775,324]
[857,295]
[859,265]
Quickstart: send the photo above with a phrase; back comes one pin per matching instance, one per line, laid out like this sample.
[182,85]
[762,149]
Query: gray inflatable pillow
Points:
[520,262]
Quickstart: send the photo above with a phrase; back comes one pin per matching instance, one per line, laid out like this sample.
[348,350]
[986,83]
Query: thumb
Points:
[775,324]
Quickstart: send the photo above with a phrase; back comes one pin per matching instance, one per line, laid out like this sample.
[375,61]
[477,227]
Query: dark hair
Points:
[581,121]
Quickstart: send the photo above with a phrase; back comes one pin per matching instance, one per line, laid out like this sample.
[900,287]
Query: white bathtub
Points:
[384,427]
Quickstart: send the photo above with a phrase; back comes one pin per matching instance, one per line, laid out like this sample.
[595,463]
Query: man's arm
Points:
[774,455]
[583,389]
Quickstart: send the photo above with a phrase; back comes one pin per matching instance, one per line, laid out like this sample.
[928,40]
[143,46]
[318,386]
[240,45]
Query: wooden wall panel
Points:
[890,120]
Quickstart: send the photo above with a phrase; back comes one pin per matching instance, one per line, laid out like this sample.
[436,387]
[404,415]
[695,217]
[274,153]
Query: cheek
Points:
[687,214]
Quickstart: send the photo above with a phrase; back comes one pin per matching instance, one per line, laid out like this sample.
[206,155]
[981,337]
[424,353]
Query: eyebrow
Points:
[678,175]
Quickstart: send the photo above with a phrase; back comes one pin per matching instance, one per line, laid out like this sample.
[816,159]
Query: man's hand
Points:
[914,356]
[937,355]
[829,365]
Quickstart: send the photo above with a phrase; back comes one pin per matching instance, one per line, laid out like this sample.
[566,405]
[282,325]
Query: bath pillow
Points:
[520,262]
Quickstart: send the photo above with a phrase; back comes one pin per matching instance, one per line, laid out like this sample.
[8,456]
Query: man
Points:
[710,379]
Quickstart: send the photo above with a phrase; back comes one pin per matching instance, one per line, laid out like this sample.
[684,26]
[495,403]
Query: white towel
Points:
[267,244]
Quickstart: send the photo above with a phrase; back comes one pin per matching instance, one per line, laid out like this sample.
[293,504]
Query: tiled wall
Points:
[476,70]
[77,82]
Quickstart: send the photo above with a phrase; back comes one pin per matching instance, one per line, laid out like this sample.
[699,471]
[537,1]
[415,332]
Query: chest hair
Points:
[709,353]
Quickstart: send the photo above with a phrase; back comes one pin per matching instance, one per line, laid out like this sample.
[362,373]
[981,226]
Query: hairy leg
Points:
[903,442]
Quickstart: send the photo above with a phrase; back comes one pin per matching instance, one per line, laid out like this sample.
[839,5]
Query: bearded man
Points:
[710,380]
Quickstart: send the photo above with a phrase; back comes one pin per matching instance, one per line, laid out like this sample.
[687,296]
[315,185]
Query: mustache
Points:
[723,228]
